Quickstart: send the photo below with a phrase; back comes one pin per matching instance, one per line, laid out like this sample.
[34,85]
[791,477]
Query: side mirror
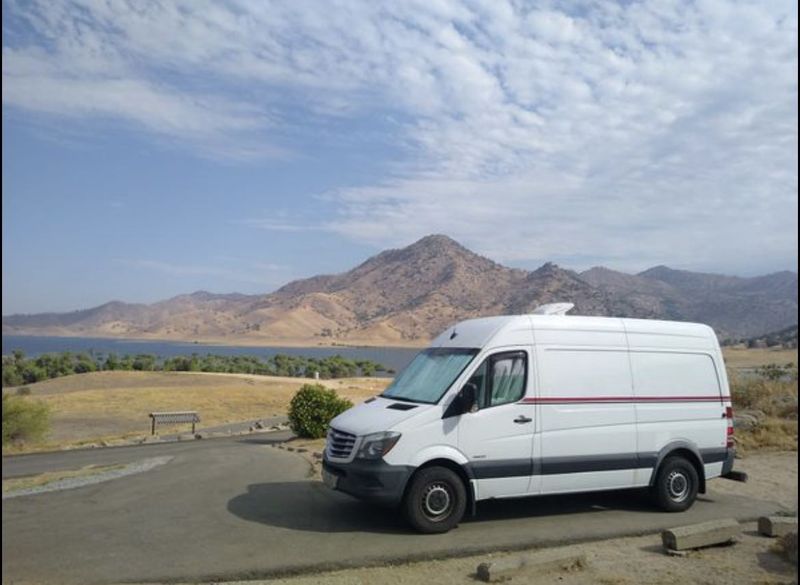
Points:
[465,401]
[468,398]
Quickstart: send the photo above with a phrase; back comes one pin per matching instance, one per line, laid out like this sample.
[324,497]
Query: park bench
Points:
[186,416]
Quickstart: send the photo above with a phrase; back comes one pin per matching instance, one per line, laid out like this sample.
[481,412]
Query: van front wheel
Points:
[676,485]
[435,500]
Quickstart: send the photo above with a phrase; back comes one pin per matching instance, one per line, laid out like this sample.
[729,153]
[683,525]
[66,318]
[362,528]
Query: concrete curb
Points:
[539,561]
[776,525]
[701,535]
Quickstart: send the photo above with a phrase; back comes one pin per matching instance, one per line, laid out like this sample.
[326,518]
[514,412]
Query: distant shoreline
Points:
[238,342]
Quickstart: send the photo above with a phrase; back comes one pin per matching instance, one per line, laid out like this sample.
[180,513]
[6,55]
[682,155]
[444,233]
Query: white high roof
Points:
[516,329]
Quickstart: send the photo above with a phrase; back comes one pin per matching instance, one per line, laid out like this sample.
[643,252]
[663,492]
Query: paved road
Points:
[238,508]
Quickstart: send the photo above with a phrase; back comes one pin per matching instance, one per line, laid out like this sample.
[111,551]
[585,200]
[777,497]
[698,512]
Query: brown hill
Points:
[408,295]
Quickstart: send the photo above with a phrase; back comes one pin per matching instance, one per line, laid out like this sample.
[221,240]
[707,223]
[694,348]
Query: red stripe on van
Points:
[602,399]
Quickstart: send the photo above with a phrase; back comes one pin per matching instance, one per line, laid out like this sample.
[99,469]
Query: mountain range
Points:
[407,296]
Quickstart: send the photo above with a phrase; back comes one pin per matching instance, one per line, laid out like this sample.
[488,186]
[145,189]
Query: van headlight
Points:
[376,445]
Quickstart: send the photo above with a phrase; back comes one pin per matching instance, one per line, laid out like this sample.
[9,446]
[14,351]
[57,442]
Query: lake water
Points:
[392,357]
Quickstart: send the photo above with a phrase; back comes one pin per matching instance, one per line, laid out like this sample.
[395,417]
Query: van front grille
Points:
[340,444]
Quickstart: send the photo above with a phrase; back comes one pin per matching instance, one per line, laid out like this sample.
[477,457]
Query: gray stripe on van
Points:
[502,468]
[577,464]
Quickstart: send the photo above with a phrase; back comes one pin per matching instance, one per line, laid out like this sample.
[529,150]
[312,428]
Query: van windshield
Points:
[429,375]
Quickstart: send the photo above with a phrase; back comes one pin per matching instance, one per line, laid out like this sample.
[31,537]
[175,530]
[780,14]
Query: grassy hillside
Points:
[740,357]
[99,406]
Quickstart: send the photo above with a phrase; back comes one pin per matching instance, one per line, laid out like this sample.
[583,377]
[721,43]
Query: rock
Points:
[776,525]
[316,455]
[258,424]
[700,535]
[746,420]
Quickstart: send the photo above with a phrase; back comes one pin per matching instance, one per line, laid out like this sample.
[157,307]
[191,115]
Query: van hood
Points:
[375,415]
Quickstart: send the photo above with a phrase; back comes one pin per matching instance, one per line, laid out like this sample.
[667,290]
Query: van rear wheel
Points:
[435,501]
[676,485]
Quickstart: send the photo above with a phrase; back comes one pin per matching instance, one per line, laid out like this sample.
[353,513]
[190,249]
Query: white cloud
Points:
[639,132]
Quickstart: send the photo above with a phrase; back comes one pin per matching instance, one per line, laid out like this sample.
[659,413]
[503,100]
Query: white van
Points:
[504,407]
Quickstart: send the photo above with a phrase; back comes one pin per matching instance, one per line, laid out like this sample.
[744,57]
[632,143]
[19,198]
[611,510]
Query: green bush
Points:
[23,419]
[312,409]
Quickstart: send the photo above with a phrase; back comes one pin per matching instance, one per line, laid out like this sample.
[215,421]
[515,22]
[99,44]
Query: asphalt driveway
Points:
[238,508]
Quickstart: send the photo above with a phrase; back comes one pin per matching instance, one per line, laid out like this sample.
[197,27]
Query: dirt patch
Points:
[771,477]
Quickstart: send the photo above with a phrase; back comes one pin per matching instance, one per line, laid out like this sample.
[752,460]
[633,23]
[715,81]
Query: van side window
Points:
[500,379]
[508,378]
[480,381]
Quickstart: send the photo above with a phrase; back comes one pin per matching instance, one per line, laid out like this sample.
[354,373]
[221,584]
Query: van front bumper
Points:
[372,481]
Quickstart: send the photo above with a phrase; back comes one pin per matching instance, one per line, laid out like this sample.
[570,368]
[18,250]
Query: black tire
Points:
[676,485]
[435,500]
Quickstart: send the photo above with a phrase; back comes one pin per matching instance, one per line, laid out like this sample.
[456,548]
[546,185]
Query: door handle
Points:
[522,419]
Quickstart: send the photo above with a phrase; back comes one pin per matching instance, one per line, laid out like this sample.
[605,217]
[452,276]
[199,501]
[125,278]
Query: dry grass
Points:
[773,435]
[105,406]
[20,483]
[741,357]
[774,403]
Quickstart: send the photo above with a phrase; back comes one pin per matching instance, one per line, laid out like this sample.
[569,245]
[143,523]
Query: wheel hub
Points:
[677,486]
[436,501]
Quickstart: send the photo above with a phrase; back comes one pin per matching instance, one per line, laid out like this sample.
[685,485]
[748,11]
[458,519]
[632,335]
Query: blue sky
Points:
[151,150]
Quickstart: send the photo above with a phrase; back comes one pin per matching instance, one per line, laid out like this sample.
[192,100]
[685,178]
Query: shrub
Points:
[23,391]
[312,408]
[775,372]
[23,419]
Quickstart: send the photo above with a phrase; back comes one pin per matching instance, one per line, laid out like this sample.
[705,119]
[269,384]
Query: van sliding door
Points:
[587,417]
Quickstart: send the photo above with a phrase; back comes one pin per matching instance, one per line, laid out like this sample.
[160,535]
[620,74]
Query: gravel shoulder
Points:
[55,481]
[622,561]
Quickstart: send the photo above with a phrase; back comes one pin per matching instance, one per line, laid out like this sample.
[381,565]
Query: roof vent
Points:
[553,309]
